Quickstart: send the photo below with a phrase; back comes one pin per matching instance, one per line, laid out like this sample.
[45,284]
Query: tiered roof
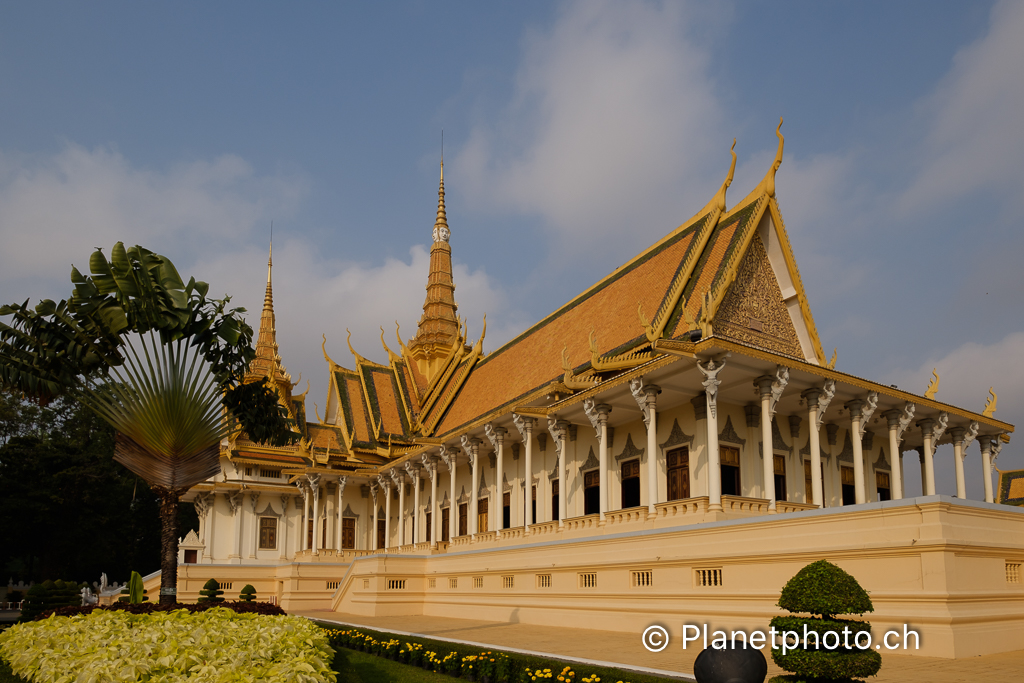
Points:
[728,273]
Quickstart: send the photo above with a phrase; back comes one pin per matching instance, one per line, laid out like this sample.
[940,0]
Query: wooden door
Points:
[381,534]
[631,484]
[348,533]
[446,527]
[678,463]
[481,516]
[592,492]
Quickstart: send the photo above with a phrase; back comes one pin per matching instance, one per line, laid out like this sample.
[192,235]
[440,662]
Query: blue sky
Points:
[576,134]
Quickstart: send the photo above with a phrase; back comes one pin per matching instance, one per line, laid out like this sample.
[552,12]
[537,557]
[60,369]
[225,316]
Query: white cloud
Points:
[601,138]
[206,216]
[973,140]
[55,210]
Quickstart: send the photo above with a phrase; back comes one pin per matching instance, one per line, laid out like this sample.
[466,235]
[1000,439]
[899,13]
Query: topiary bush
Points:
[50,595]
[824,590]
[211,592]
[248,593]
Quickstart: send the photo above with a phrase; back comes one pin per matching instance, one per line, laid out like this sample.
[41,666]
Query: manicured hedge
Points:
[151,607]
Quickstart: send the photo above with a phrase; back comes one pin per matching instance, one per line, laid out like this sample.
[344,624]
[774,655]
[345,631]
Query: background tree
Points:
[66,508]
[156,359]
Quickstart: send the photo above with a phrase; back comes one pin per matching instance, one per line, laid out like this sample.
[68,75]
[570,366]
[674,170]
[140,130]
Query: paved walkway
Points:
[626,649]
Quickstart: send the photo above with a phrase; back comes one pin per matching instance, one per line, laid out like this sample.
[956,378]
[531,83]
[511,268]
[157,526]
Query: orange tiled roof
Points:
[610,309]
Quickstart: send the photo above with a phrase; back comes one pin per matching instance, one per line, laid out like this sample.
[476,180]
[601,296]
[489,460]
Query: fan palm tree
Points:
[155,358]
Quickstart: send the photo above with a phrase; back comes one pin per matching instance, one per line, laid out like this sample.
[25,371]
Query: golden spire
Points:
[438,330]
[268,359]
[441,231]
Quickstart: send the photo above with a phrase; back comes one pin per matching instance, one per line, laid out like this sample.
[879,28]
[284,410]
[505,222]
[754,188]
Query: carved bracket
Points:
[778,386]
[905,419]
[235,501]
[496,435]
[940,427]
[970,435]
[870,405]
[710,370]
[828,392]
[341,486]
[524,425]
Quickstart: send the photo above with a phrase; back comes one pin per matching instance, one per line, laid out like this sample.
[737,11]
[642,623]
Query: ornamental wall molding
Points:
[590,463]
[629,451]
[846,455]
[729,435]
[881,463]
[349,513]
[505,486]
[676,437]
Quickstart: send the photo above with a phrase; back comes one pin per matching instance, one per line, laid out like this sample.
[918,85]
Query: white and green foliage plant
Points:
[217,645]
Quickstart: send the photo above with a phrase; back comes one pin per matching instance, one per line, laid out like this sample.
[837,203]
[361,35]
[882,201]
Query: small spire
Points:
[268,298]
[441,230]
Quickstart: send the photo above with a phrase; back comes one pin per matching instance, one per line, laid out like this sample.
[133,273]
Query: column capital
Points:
[892,417]
[413,468]
[855,407]
[811,396]
[925,424]
[958,434]
[524,424]
[496,435]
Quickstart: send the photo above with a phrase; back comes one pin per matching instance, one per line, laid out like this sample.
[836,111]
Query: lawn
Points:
[361,667]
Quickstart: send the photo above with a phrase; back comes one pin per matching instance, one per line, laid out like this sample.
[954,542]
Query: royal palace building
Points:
[670,446]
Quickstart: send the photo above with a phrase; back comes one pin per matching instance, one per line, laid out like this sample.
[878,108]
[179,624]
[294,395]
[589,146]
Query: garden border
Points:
[675,675]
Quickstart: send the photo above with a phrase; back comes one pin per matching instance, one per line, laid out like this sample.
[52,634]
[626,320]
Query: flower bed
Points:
[216,644]
[470,663]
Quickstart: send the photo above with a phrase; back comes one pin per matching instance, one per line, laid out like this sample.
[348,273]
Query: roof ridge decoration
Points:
[990,403]
[715,209]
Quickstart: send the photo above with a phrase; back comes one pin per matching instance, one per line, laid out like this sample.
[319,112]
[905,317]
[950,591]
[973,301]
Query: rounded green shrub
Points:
[248,593]
[211,592]
[824,590]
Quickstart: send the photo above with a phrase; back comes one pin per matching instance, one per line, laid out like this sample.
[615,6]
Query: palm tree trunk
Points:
[168,543]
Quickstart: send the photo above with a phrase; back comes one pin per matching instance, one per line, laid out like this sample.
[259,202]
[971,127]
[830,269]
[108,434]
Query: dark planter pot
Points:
[736,664]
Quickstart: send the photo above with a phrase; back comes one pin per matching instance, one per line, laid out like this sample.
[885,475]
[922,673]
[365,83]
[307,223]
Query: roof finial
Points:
[441,231]
[270,259]
[769,180]
[719,202]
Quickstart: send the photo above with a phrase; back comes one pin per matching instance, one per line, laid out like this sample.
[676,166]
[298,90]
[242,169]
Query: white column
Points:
[235,499]
[303,537]
[710,370]
[376,517]
[341,492]
[646,396]
[316,516]
[928,455]
[958,455]
[471,445]
[895,453]
[211,514]
[604,475]
[814,429]
[525,426]
[414,475]
[764,384]
[856,432]
[497,438]
[435,508]
[400,485]
[453,506]
[986,462]
[386,487]
[283,540]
